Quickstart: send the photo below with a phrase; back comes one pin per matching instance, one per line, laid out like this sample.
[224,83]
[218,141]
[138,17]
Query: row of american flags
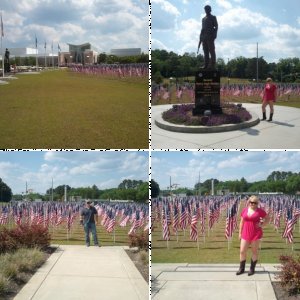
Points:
[179,91]
[199,215]
[53,214]
[113,70]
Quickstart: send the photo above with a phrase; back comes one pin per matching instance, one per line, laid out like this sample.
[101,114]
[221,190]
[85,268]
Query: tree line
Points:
[277,181]
[166,64]
[135,190]
[102,58]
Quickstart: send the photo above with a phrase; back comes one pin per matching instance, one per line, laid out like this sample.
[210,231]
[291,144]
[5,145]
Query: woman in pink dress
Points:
[250,233]
[269,97]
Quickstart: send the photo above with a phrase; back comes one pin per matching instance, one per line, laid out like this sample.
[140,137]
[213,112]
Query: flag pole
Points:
[2,35]
[52,55]
[45,55]
[2,58]
[36,56]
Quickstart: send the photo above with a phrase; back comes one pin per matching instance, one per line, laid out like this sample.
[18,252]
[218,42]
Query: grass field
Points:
[76,236]
[59,109]
[215,248]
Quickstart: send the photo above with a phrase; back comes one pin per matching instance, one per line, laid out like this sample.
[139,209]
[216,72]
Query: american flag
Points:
[166,229]
[230,221]
[4,216]
[289,227]
[183,217]
[112,222]
[194,229]
[175,223]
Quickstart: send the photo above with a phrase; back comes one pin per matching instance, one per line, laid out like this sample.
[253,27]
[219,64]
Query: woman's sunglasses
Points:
[251,202]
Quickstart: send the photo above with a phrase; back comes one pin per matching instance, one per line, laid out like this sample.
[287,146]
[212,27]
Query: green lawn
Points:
[59,109]
[76,235]
[215,248]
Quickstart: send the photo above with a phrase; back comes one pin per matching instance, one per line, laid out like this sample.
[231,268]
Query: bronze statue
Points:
[208,35]
[6,55]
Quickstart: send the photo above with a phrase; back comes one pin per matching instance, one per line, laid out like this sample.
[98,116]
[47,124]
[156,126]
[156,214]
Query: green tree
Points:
[154,189]
[5,192]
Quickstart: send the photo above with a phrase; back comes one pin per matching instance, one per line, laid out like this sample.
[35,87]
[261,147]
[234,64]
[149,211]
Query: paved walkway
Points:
[80,273]
[282,133]
[211,282]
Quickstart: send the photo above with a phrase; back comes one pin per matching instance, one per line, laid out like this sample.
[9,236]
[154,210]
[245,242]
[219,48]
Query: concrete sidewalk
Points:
[211,282]
[79,272]
[282,133]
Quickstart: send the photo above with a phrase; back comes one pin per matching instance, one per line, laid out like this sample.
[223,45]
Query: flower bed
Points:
[183,114]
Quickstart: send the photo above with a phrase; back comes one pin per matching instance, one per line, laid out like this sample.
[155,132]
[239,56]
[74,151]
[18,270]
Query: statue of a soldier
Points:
[208,35]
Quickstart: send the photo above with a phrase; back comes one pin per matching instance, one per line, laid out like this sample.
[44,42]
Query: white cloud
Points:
[156,44]
[224,4]
[167,7]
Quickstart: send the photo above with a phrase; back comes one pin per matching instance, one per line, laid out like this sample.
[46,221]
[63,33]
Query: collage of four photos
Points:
[150,150]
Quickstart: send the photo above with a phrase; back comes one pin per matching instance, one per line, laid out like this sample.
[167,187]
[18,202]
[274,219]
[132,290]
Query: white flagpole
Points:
[2,58]
[36,57]
[2,35]
[52,55]
[45,55]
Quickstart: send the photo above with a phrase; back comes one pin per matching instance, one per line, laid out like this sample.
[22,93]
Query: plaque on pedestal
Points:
[207,92]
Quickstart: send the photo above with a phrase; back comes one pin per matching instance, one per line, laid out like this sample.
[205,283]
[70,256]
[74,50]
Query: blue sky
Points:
[275,25]
[77,169]
[106,24]
[184,167]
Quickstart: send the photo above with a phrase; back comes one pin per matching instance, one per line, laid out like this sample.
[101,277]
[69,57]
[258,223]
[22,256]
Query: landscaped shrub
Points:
[31,236]
[289,275]
[4,284]
[139,240]
[7,242]
[15,267]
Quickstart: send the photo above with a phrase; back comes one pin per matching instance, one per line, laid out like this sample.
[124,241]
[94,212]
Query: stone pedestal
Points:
[207,92]
[6,67]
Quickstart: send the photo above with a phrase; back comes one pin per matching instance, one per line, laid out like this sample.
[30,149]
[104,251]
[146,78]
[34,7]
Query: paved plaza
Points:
[282,133]
[80,272]
[211,282]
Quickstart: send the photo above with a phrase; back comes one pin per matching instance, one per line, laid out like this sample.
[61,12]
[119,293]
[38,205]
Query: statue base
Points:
[6,67]
[207,92]
[200,109]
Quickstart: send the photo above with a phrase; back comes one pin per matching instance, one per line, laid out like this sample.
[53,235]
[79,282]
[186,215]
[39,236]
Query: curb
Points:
[205,129]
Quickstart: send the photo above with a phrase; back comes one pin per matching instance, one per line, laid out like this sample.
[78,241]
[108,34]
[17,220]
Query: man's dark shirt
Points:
[89,214]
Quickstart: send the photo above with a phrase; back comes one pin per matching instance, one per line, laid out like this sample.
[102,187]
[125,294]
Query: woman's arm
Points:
[241,228]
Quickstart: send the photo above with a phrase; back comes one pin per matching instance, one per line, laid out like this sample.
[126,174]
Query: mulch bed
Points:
[143,269]
[282,294]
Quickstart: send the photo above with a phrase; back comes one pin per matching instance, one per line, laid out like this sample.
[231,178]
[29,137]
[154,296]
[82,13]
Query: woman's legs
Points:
[243,249]
[271,110]
[271,104]
[254,248]
[243,255]
[264,104]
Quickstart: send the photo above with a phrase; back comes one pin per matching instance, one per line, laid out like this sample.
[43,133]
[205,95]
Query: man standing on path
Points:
[89,220]
[208,35]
